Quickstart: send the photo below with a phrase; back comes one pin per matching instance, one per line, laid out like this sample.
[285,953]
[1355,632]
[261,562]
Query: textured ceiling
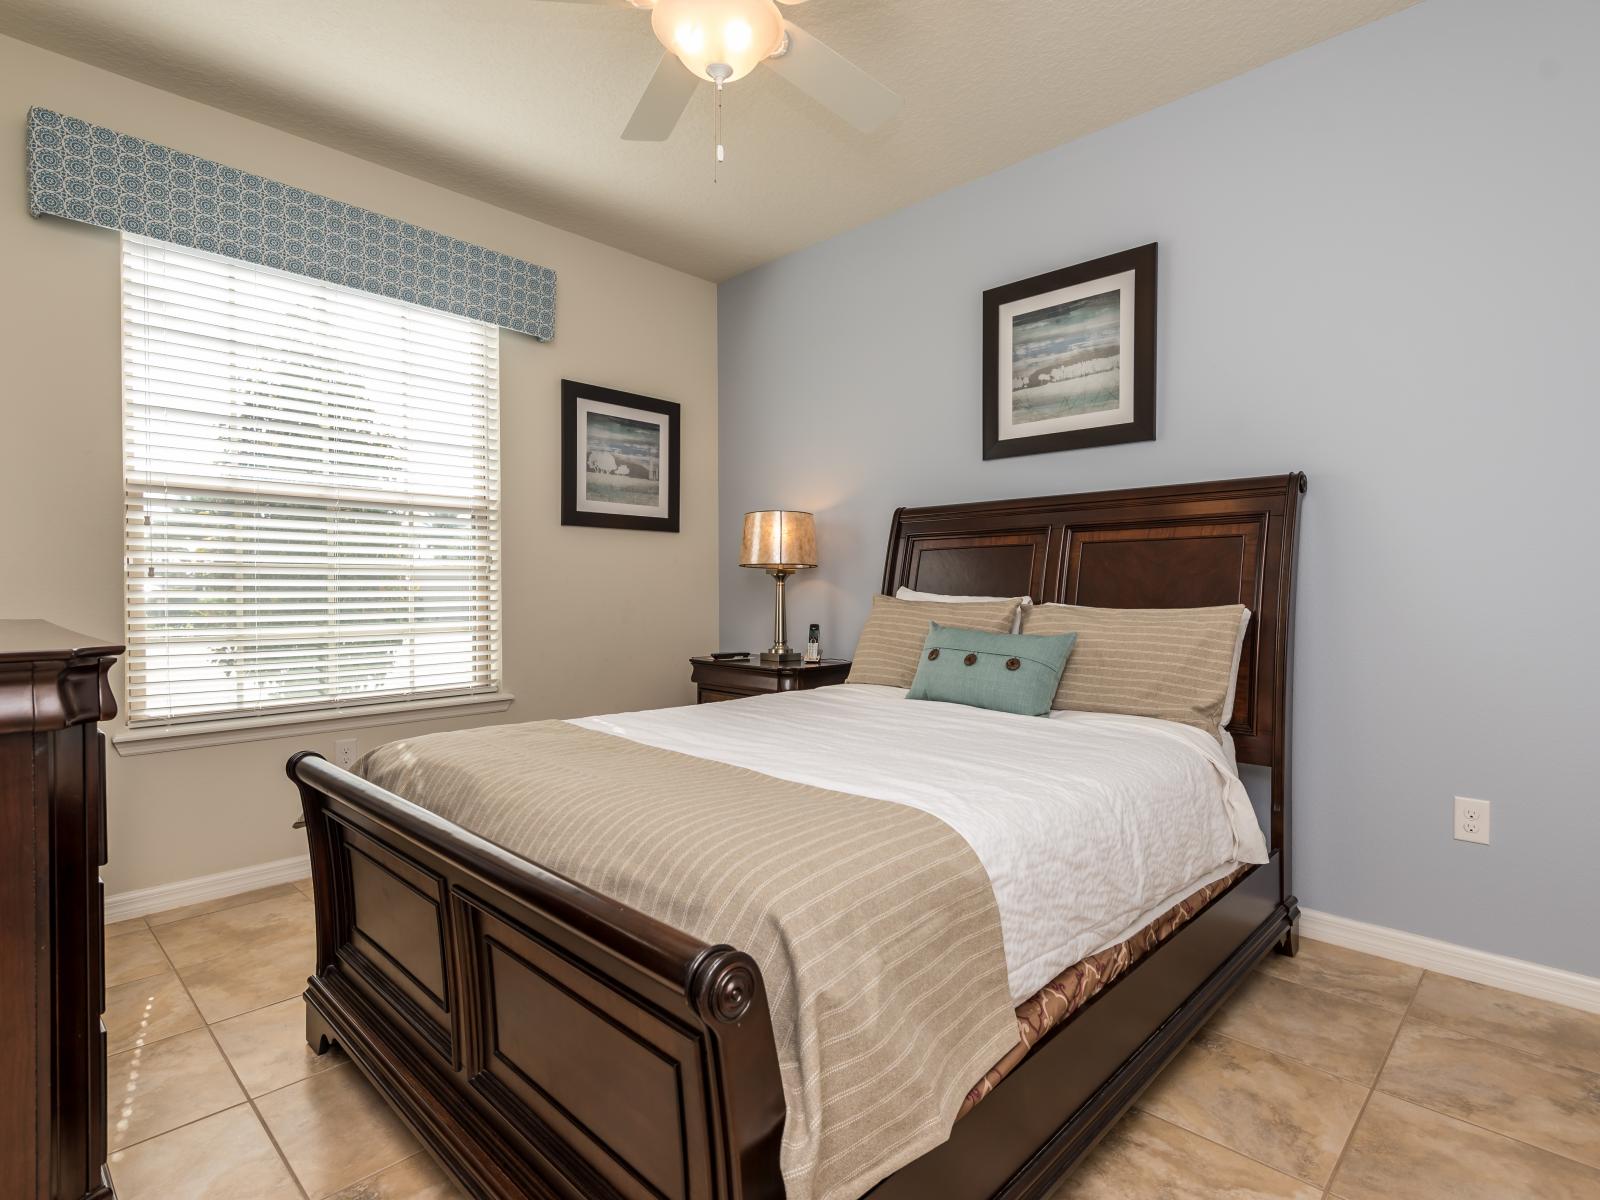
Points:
[520,102]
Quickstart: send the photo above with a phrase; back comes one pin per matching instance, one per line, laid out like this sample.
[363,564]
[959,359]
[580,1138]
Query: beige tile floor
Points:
[1333,1074]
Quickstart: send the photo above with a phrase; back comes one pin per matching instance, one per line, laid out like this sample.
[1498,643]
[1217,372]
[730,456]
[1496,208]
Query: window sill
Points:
[158,739]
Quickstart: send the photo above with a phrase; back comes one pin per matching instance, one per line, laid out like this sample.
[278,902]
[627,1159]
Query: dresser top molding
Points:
[51,677]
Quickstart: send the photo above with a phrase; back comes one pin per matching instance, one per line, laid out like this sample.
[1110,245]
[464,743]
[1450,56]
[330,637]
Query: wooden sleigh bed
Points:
[543,1040]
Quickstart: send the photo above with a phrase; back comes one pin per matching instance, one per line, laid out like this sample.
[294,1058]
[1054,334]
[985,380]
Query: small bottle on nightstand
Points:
[814,644]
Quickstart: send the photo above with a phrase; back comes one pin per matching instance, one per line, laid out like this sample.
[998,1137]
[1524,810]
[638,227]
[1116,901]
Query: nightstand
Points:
[734,678]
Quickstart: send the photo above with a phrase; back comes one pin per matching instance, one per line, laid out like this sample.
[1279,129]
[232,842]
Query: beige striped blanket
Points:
[874,924]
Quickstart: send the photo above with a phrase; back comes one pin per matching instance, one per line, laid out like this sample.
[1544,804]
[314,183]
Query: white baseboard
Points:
[205,887]
[1496,970]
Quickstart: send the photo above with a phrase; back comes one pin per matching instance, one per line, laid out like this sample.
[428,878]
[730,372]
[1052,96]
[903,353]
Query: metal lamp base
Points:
[780,653]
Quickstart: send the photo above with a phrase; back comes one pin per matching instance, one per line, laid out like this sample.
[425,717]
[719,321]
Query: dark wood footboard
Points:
[544,1041]
[540,1039]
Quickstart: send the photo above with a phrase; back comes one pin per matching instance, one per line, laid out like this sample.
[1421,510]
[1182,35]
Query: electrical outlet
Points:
[1472,820]
[344,752]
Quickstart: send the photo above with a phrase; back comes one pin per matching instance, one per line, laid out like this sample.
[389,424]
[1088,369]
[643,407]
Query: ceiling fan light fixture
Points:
[735,34]
[689,38]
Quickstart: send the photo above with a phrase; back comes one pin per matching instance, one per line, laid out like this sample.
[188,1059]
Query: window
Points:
[312,494]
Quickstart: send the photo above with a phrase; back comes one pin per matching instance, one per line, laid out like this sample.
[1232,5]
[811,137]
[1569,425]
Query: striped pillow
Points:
[906,593]
[1174,663]
[890,648]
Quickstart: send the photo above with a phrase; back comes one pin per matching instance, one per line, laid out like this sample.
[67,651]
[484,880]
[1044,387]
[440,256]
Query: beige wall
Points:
[596,620]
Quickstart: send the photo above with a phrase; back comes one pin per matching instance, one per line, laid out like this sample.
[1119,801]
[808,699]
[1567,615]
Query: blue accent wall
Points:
[1379,263]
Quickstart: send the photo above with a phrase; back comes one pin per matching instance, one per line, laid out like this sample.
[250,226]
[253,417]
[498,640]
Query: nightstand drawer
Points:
[735,678]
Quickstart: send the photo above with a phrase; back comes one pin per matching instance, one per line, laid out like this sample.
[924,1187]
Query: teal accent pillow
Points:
[1008,672]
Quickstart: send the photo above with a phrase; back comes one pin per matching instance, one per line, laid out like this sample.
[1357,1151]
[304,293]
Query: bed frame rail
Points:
[1083,1074]
[558,1043]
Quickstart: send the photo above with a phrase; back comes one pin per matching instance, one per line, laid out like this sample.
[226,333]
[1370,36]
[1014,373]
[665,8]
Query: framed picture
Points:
[619,459]
[1069,358]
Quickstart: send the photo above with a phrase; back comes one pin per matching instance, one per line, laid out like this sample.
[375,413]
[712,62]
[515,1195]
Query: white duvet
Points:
[1088,824]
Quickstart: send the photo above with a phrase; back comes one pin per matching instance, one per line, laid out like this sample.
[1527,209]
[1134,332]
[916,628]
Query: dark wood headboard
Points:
[1159,547]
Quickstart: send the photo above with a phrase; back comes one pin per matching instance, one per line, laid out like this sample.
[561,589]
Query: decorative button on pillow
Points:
[1007,672]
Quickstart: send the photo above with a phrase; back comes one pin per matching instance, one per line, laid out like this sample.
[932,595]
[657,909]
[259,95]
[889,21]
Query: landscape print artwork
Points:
[1069,357]
[619,459]
[1065,359]
[623,460]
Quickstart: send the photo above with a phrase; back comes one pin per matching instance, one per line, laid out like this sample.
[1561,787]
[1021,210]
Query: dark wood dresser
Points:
[53,692]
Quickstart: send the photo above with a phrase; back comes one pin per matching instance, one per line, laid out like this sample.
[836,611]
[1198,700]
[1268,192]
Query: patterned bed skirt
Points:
[1079,983]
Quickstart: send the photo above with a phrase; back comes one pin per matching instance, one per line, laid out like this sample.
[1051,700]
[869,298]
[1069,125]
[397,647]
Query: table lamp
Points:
[779,543]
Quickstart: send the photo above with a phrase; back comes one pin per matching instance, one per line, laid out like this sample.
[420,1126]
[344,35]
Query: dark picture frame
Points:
[619,451]
[1123,410]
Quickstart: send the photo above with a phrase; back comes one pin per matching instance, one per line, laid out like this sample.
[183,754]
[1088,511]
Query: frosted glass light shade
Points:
[739,33]
[774,538]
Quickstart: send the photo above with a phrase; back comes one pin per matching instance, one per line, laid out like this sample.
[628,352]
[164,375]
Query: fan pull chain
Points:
[716,133]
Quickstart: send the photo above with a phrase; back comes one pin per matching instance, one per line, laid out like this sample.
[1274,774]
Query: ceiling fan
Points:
[723,40]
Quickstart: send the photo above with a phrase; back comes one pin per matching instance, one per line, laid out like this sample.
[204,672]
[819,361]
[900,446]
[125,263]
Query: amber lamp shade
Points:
[780,543]
[775,539]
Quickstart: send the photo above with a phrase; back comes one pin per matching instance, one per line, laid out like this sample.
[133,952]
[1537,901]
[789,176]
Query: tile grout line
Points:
[1368,1088]
[1510,1137]
[204,1024]
[350,1064]
[1406,1015]
[211,912]
[140,1046]
[1536,1059]
[228,1062]
[272,1138]
[1329,991]
[397,1162]
[1220,1145]
[1327,1192]
[176,1128]
[1284,1054]
[1296,1062]
[172,969]
[1426,971]
[1496,1041]
[155,932]
[249,1099]
[1275,1054]
[1372,1091]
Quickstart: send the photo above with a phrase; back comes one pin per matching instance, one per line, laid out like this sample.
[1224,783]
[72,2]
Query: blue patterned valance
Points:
[96,175]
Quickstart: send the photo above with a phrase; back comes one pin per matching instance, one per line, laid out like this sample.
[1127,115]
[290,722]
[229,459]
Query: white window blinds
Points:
[312,482]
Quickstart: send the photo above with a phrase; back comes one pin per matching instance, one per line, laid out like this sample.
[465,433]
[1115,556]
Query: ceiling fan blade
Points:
[663,102]
[834,81]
